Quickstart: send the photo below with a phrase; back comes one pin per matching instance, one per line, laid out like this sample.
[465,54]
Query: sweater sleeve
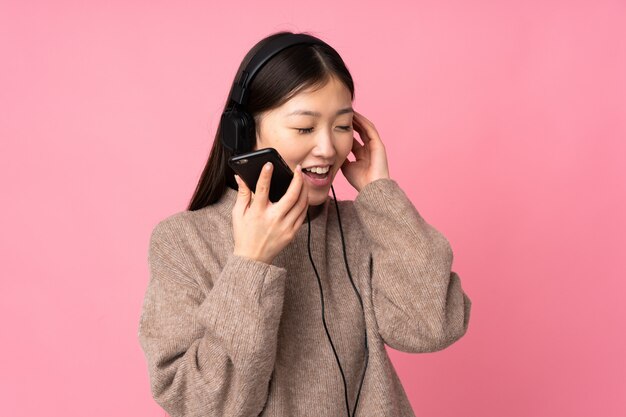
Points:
[418,301]
[212,354]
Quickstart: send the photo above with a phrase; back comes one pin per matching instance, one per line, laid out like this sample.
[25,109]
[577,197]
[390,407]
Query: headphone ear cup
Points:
[249,138]
[237,130]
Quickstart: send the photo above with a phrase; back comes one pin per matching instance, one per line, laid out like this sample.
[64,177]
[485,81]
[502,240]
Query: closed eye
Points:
[310,129]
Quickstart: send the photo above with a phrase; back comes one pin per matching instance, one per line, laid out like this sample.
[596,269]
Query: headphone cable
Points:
[345,258]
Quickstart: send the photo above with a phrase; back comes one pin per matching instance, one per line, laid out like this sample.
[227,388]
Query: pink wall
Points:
[505,123]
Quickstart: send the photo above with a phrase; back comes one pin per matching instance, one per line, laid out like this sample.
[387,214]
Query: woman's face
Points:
[314,129]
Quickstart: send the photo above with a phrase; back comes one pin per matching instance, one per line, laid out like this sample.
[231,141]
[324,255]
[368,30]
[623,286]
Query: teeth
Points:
[318,170]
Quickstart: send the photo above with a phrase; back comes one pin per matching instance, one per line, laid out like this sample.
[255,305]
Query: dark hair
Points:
[287,73]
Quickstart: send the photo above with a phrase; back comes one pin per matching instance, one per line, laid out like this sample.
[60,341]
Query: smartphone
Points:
[249,165]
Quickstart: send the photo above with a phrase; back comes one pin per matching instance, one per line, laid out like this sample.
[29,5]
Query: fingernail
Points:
[299,168]
[268,166]
[237,178]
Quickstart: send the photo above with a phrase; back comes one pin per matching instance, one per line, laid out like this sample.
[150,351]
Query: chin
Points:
[315,199]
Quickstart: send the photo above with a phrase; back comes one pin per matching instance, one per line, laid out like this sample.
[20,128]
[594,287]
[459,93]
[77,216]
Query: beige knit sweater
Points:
[229,336]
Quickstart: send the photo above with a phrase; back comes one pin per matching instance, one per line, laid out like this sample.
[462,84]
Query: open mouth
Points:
[320,171]
[316,175]
[316,178]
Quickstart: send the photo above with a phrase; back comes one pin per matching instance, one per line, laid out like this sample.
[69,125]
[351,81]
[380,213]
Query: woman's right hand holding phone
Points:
[261,228]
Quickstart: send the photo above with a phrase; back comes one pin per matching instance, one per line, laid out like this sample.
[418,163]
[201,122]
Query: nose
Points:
[324,144]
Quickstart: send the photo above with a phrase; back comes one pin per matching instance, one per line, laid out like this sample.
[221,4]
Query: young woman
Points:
[284,309]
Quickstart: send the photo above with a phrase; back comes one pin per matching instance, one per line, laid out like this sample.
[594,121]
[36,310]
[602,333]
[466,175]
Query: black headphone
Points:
[237,125]
[238,134]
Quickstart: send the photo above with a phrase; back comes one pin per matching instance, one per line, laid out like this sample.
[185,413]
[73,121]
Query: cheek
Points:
[345,147]
[276,139]
[290,152]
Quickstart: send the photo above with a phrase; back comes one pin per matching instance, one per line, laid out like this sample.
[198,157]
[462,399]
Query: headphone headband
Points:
[240,88]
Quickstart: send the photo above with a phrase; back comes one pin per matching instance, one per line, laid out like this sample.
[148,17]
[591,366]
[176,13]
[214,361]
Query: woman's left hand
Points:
[371,158]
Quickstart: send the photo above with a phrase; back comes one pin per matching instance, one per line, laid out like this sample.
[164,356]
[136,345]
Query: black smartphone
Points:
[249,165]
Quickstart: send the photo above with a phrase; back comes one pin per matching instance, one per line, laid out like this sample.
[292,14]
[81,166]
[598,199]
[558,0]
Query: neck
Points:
[314,211]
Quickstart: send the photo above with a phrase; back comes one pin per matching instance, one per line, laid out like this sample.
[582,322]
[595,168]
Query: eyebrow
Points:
[318,114]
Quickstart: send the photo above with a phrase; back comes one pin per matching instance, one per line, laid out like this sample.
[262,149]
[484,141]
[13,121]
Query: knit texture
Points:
[225,335]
